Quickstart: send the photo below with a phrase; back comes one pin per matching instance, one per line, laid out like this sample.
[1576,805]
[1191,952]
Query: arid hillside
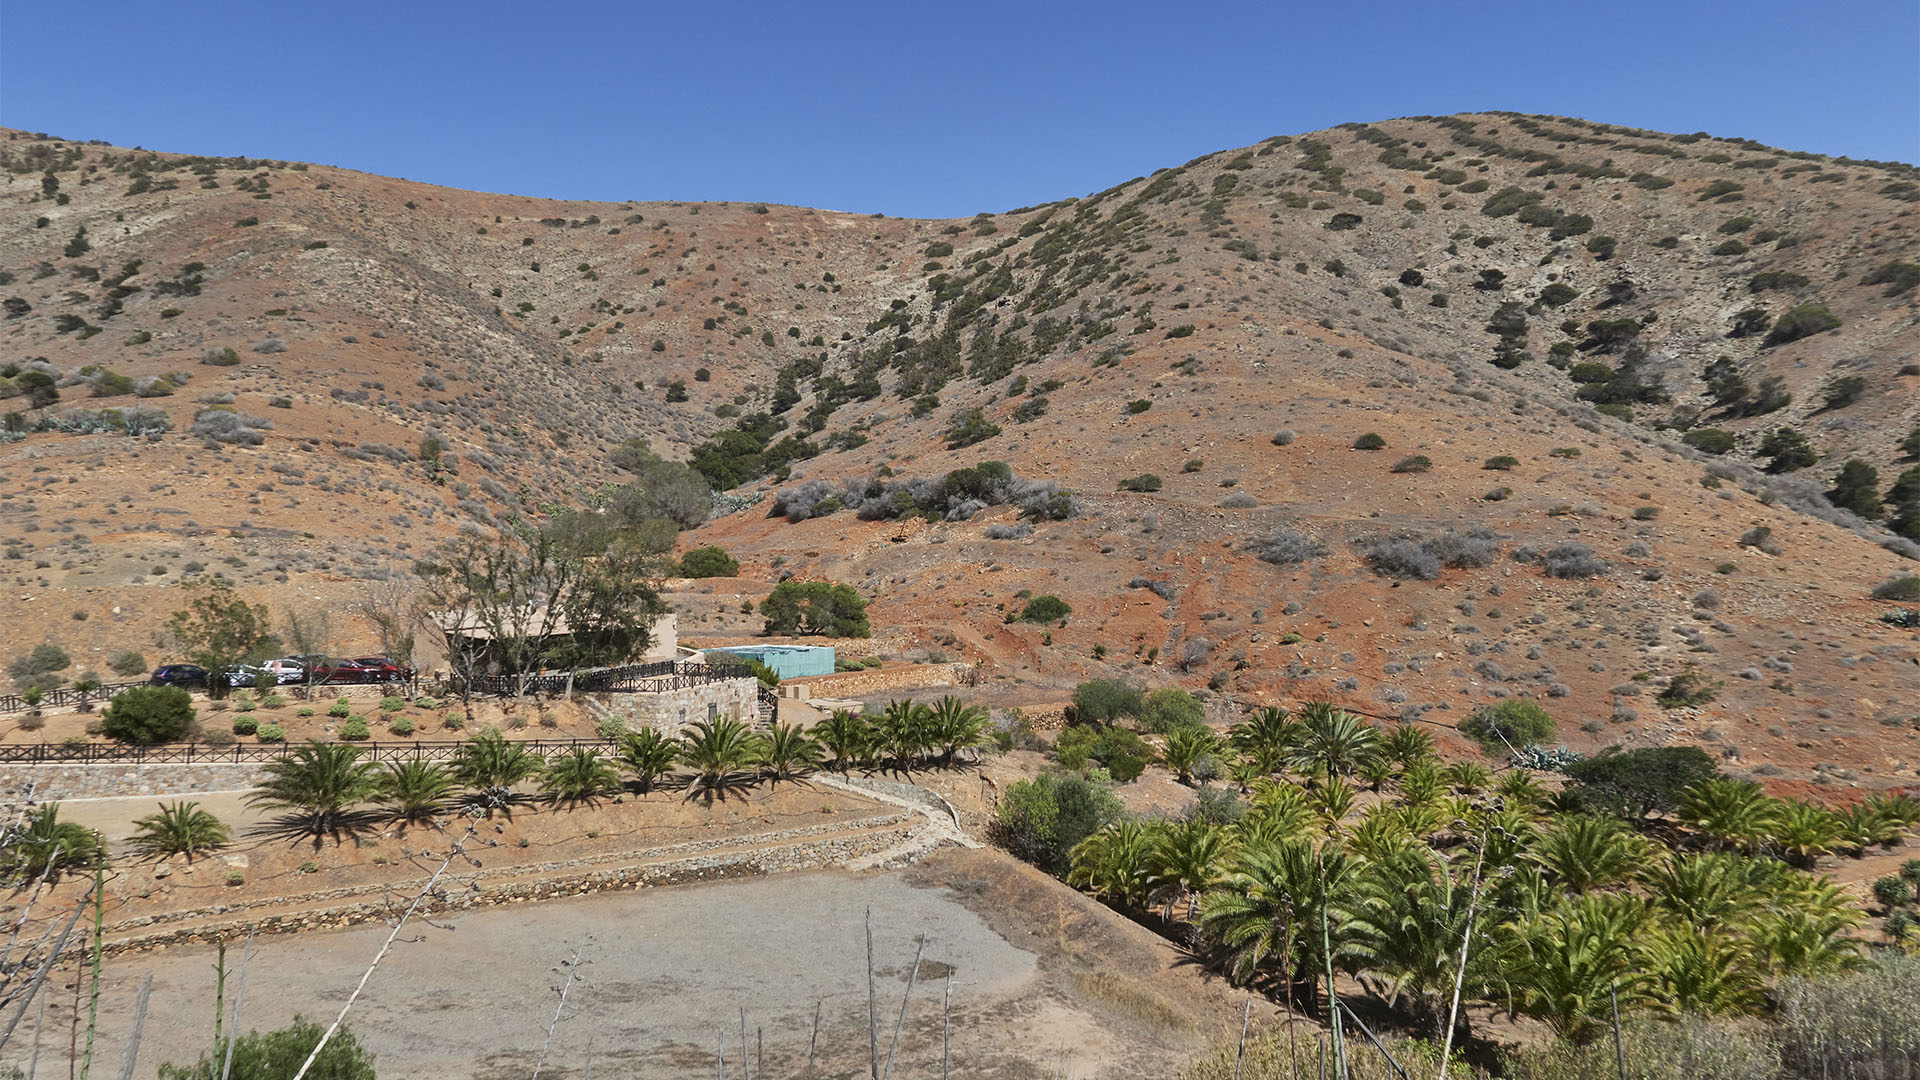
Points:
[1581,349]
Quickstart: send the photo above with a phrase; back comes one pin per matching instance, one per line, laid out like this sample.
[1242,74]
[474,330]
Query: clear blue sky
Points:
[914,108]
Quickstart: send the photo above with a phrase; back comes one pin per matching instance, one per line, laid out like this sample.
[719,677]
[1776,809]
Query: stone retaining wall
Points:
[464,891]
[672,710]
[853,684]
[95,781]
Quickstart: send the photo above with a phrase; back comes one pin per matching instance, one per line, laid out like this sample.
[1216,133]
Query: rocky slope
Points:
[1438,282]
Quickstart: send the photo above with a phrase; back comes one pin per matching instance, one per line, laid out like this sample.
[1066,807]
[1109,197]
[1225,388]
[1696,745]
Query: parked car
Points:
[330,670]
[286,669]
[179,675]
[385,670]
[242,675]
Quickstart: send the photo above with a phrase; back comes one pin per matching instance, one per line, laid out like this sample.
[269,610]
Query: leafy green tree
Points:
[1857,489]
[415,791]
[51,846]
[178,829]
[815,607]
[578,776]
[321,785]
[1169,708]
[219,629]
[1509,724]
[277,1055]
[1043,819]
[647,756]
[1788,449]
[148,714]
[1635,783]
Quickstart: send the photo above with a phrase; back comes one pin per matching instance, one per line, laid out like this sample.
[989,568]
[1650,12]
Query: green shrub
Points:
[305,710]
[1138,406]
[148,714]
[815,607]
[1045,609]
[1709,440]
[339,708]
[1901,588]
[279,1054]
[708,562]
[454,720]
[355,729]
[1102,701]
[1167,709]
[609,727]
[1514,723]
[1501,463]
[401,726]
[271,733]
[1893,891]
[1042,819]
[245,725]
[1418,463]
[1804,321]
[1142,483]
[127,662]
[970,429]
[1369,441]
[426,702]
[1635,783]
[1689,688]
[392,704]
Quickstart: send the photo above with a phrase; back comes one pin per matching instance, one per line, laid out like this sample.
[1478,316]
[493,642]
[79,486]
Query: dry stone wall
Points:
[853,684]
[105,781]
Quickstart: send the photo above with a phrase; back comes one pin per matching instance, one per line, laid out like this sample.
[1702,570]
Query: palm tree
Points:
[722,753]
[1565,965]
[1584,852]
[1864,824]
[1519,788]
[415,791]
[1702,973]
[1804,831]
[1804,929]
[179,829]
[901,733]
[1381,833]
[789,753]
[578,776]
[1280,810]
[1185,746]
[1422,782]
[1734,813]
[489,765]
[953,726]
[1189,859]
[1266,735]
[845,735]
[1406,922]
[322,786]
[1332,801]
[1376,772]
[1269,912]
[1113,862]
[1712,890]
[1333,740]
[1469,777]
[647,755]
[1407,744]
[51,846]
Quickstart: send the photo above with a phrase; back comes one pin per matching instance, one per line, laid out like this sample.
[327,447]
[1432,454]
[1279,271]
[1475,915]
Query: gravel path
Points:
[663,971]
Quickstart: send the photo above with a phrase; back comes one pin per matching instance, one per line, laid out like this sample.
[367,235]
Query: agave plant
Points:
[789,753]
[722,753]
[322,787]
[581,775]
[647,756]
[178,829]
[415,791]
[489,765]
[50,846]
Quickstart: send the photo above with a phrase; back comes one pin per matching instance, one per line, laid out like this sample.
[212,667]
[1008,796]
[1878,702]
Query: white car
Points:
[286,670]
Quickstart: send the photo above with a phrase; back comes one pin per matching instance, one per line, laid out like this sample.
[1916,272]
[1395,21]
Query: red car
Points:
[381,669]
[343,671]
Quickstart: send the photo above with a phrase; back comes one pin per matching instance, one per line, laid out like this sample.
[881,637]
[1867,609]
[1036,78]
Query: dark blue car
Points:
[179,675]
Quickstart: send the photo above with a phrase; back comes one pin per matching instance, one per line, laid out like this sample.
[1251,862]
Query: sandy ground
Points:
[663,973]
